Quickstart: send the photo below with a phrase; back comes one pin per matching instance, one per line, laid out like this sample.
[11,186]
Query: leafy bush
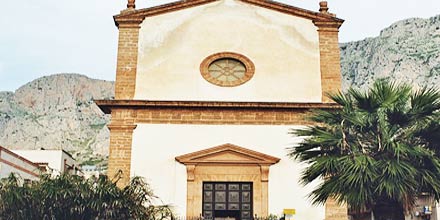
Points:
[69,197]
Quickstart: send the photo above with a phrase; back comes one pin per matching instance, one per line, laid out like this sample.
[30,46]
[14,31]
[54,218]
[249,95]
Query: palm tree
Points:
[377,153]
[73,197]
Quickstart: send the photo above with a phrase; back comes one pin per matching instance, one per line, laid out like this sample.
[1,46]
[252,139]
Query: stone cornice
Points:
[107,105]
[121,127]
[141,14]
[330,26]
[295,11]
[128,22]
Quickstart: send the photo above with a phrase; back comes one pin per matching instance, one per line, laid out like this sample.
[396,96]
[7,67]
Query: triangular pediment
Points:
[227,154]
[134,16]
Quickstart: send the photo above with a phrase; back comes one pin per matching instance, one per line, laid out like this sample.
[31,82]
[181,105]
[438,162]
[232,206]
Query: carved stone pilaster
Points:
[264,173]
[190,168]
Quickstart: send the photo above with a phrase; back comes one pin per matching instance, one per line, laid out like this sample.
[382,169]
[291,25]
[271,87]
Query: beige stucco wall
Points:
[284,49]
[155,146]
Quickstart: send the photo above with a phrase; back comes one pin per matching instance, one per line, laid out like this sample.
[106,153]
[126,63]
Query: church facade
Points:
[206,94]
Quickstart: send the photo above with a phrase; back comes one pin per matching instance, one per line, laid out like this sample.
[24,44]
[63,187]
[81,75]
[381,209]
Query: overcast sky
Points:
[44,37]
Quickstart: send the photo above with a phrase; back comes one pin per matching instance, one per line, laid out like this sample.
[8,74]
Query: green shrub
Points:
[70,197]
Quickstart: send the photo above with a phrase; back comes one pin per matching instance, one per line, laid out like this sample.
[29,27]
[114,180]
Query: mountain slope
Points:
[407,51]
[57,112]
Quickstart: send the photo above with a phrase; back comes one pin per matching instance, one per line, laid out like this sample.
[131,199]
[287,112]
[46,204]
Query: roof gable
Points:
[137,16]
[227,153]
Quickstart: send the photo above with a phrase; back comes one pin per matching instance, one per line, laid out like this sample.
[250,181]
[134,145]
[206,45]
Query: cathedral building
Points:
[206,94]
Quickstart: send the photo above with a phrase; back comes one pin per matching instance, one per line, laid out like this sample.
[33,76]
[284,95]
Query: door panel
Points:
[227,200]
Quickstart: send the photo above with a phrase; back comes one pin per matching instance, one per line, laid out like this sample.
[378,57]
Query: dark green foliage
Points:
[380,149]
[70,197]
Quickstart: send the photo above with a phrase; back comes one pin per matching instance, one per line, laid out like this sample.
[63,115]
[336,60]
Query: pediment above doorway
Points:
[227,154]
[227,164]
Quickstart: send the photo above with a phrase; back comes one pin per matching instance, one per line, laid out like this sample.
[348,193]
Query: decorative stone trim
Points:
[225,163]
[248,156]
[327,26]
[272,5]
[107,105]
[128,22]
[134,112]
[209,116]
[248,64]
[264,173]
[121,127]
[190,172]
[131,4]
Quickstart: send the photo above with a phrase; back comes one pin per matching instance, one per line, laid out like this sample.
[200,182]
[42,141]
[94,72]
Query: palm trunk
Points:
[363,216]
[388,210]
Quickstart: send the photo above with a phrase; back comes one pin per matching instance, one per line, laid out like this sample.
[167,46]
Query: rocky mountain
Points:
[58,111]
[407,51]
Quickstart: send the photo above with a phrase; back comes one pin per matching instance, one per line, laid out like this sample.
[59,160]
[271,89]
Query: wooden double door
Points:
[227,200]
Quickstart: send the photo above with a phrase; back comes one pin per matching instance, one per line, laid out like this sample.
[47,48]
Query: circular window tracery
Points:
[227,69]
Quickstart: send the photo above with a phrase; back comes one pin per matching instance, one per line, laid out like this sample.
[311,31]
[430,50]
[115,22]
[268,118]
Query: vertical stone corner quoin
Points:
[126,68]
[330,64]
[335,211]
[120,152]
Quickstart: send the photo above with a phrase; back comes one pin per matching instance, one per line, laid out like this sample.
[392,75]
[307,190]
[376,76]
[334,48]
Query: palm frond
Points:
[382,146]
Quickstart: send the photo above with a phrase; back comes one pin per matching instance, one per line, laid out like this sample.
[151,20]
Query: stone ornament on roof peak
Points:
[131,4]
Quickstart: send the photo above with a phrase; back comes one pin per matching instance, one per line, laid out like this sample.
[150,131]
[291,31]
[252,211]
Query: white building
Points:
[206,93]
[11,162]
[94,170]
[58,161]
